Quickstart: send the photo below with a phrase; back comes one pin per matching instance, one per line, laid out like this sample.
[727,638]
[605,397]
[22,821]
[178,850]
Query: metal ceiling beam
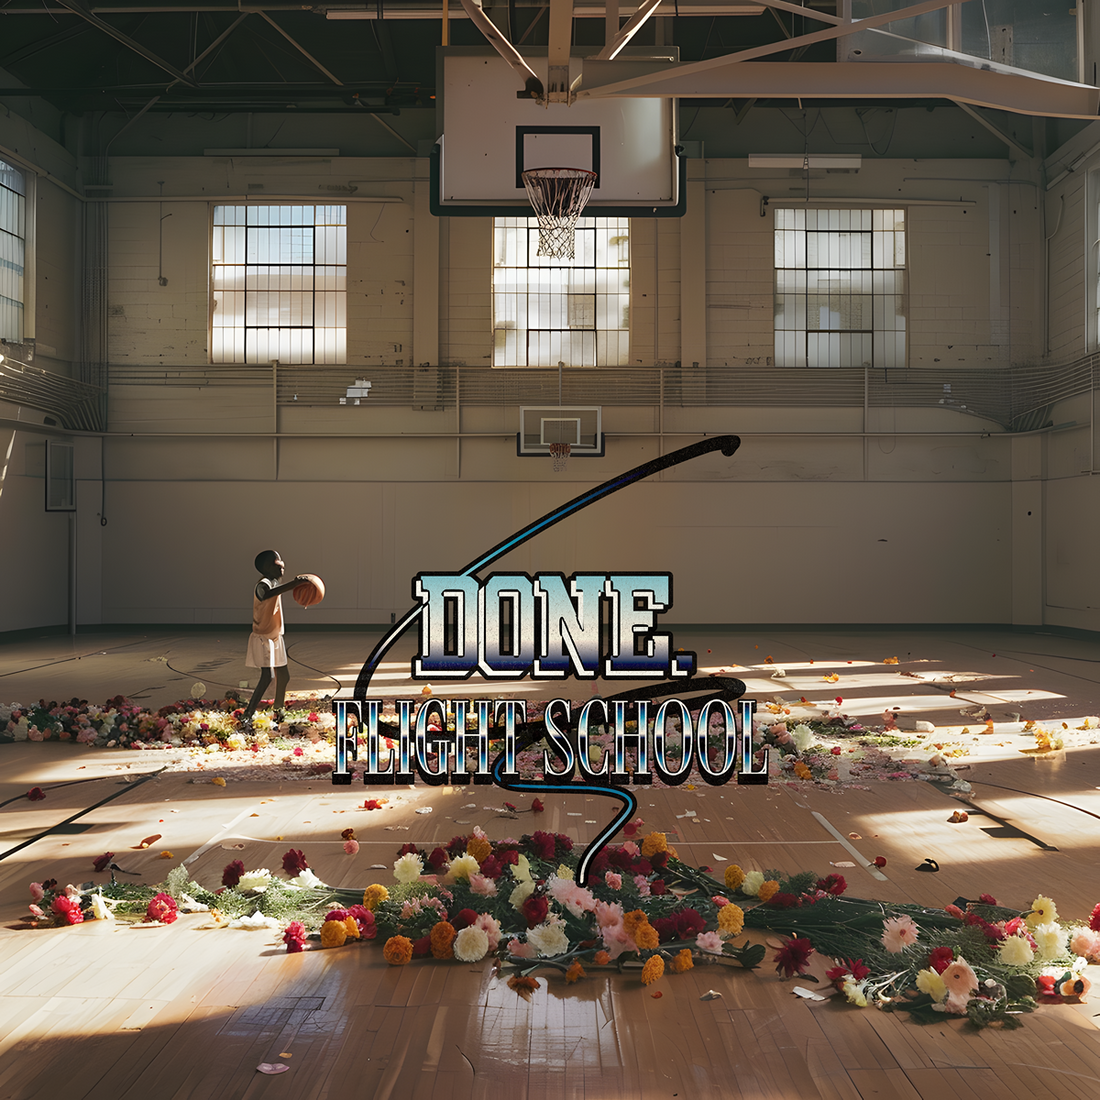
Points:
[301,49]
[1015,92]
[531,81]
[78,7]
[217,41]
[994,129]
[634,24]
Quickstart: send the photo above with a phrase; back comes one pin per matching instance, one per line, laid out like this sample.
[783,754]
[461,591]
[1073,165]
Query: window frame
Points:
[565,301]
[229,354]
[29,178]
[873,299]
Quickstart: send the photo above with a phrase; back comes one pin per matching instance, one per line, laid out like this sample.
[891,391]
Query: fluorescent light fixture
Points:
[851,161]
[271,152]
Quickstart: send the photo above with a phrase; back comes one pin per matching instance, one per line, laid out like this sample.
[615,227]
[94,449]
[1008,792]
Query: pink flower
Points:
[491,927]
[162,908]
[632,849]
[481,884]
[521,950]
[643,885]
[351,846]
[68,910]
[1086,942]
[720,901]
[35,734]
[36,911]
[710,942]
[615,881]
[294,937]
[898,933]
[37,893]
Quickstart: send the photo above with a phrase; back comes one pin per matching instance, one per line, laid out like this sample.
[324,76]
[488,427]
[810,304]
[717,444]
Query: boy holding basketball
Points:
[266,649]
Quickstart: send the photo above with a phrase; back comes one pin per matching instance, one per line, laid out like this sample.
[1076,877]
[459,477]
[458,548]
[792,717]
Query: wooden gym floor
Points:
[104,1010]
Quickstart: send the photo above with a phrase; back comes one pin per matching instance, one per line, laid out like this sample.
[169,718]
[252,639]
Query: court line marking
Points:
[220,835]
[851,849]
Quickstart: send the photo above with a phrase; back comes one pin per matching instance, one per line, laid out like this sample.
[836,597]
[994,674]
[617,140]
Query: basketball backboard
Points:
[489,137]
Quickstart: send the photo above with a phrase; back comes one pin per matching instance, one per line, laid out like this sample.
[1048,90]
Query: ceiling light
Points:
[851,161]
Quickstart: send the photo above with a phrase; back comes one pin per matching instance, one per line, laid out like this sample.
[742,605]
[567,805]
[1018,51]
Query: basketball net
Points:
[559,452]
[558,195]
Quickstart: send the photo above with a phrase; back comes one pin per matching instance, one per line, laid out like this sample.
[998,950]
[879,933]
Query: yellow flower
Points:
[479,848]
[653,969]
[683,961]
[574,973]
[654,843]
[854,994]
[333,933]
[1042,912]
[768,890]
[731,919]
[647,939]
[374,895]
[352,925]
[398,950]
[928,981]
[734,877]
[802,771]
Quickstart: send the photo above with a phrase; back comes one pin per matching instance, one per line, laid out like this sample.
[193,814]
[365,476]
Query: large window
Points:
[548,311]
[279,284]
[840,288]
[13,236]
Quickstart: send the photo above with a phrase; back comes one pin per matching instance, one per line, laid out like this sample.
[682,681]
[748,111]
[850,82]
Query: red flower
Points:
[509,806]
[987,899]
[231,873]
[437,859]
[837,975]
[408,849]
[793,957]
[542,844]
[1094,919]
[372,804]
[535,909]
[689,923]
[294,937]
[337,914]
[665,928]
[294,862]
[784,901]
[940,958]
[36,794]
[162,908]
[954,911]
[365,919]
[536,806]
[422,946]
[68,909]
[100,862]
[657,886]
[465,917]
[832,884]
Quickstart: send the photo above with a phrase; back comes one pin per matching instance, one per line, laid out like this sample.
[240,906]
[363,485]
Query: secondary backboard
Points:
[580,426]
[489,137]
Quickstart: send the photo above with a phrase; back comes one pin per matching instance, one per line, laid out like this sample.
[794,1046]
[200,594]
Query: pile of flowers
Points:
[642,908]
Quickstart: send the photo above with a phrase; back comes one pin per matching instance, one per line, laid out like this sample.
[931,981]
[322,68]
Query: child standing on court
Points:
[266,649]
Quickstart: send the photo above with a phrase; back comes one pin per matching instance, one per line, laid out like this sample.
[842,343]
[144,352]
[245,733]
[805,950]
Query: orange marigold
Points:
[443,938]
[731,919]
[575,972]
[646,937]
[734,877]
[672,853]
[654,843]
[398,950]
[479,848]
[373,896]
[352,925]
[601,958]
[333,933]
[681,962]
[802,771]
[653,969]
[633,920]
[523,986]
[768,890]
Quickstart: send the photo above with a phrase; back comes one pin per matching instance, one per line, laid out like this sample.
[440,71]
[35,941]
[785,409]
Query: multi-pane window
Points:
[13,233]
[279,284]
[840,288]
[548,311]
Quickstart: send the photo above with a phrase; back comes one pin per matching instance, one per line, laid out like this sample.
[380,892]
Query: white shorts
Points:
[265,652]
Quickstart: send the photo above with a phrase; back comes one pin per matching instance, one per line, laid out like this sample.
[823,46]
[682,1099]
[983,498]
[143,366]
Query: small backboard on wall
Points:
[542,426]
[489,137]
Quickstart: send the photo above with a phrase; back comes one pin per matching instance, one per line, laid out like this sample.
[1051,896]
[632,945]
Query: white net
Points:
[558,195]
[559,452]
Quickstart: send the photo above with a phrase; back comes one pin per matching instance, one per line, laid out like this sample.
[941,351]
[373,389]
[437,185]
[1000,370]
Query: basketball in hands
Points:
[308,591]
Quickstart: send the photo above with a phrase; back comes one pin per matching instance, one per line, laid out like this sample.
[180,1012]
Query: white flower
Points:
[306,880]
[803,737]
[898,933]
[408,868]
[257,880]
[549,938]
[462,867]
[100,908]
[189,905]
[753,881]
[1051,941]
[1015,951]
[471,944]
[521,893]
[255,922]
[854,992]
